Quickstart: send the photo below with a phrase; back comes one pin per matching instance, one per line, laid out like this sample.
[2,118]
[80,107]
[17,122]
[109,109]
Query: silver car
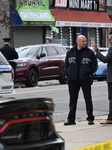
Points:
[6,77]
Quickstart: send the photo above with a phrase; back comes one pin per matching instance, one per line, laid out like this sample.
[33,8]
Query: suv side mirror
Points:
[42,55]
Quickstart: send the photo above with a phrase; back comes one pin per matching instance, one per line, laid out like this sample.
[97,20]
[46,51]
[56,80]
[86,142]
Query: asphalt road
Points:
[60,96]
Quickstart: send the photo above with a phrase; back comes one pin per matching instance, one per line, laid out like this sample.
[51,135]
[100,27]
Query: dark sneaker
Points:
[69,123]
[90,122]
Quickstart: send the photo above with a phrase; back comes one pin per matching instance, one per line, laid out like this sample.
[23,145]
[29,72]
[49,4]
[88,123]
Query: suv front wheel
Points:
[63,78]
[32,78]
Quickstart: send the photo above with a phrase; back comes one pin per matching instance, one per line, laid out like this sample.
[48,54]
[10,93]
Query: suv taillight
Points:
[12,74]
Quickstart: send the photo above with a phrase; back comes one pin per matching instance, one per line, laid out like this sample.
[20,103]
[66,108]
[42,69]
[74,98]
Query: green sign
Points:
[35,15]
[29,4]
[34,10]
[55,29]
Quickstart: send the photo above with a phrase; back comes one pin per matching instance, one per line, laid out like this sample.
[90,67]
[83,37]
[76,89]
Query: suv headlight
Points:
[21,65]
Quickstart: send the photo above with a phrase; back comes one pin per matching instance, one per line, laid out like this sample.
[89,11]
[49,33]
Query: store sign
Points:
[34,11]
[82,4]
[102,5]
[83,24]
[60,3]
[39,4]
[32,2]
[74,4]
[37,15]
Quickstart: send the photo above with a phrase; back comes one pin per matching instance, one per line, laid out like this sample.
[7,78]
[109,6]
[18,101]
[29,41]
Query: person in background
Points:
[10,54]
[80,64]
[107,59]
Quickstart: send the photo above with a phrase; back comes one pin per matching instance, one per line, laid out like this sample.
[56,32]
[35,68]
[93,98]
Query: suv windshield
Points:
[26,52]
[3,61]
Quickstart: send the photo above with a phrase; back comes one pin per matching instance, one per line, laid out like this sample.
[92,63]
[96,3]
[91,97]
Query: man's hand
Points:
[95,48]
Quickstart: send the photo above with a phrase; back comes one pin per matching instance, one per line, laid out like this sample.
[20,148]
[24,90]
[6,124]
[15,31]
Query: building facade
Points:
[88,17]
[57,21]
[109,8]
[28,22]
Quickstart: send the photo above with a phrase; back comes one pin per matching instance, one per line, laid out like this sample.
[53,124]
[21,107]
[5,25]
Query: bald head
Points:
[80,37]
[81,42]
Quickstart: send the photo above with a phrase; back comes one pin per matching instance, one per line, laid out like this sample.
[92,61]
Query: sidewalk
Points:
[82,134]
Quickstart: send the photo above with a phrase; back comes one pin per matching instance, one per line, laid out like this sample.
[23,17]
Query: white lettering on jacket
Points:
[85,61]
[72,60]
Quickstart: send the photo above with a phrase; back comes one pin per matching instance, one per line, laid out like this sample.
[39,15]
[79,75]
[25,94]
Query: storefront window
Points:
[102,34]
[91,36]
[56,37]
[65,36]
[104,40]
[81,30]
[62,37]
[48,38]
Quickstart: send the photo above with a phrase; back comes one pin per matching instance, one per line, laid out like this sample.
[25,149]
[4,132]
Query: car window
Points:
[51,51]
[3,61]
[19,49]
[27,52]
[60,50]
[43,50]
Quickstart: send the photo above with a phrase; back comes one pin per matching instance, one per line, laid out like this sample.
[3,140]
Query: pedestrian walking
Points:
[80,64]
[107,59]
[10,54]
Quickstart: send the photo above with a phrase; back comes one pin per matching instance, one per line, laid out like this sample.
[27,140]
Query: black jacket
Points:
[87,67]
[10,54]
[107,59]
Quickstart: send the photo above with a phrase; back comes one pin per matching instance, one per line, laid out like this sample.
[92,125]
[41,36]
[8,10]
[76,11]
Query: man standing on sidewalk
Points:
[80,64]
[10,54]
[107,59]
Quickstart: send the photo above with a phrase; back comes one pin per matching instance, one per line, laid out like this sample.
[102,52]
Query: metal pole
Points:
[70,34]
[97,37]
[61,35]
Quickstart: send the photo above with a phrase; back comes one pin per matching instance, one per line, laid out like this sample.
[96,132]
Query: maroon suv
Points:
[41,62]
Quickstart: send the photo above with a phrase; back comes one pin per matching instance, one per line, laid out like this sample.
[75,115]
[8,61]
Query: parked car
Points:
[101,72]
[41,62]
[6,77]
[27,124]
